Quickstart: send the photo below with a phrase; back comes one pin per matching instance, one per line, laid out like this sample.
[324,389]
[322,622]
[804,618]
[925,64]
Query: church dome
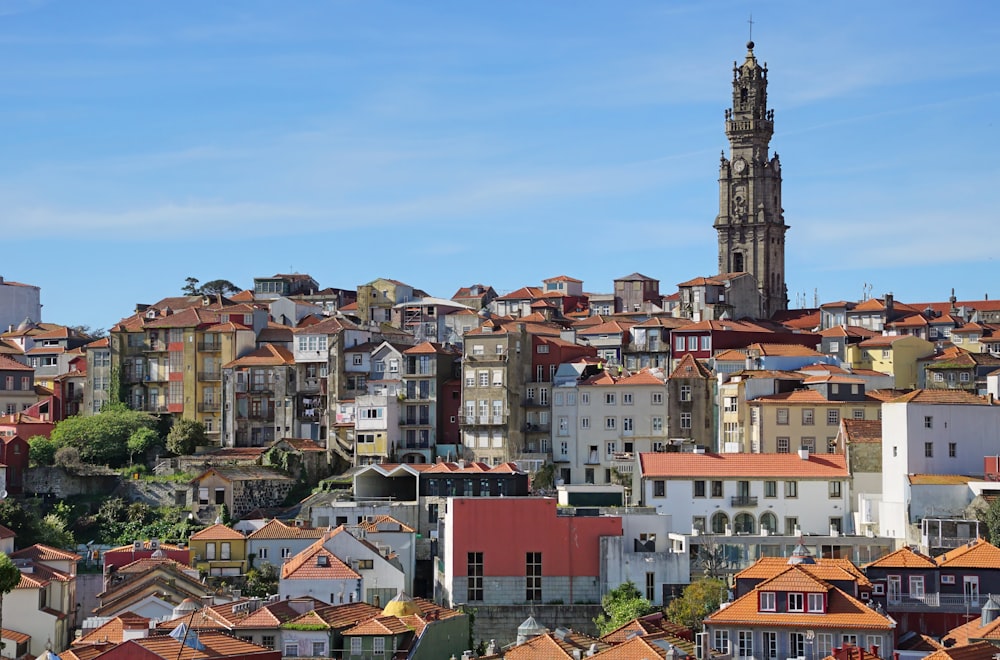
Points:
[401,605]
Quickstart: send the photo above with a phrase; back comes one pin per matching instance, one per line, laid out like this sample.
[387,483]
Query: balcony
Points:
[155,347]
[743,500]
[482,420]
[207,406]
[537,428]
[209,376]
[312,384]
[210,346]
[261,415]
[532,402]
[415,421]
[912,602]
[259,388]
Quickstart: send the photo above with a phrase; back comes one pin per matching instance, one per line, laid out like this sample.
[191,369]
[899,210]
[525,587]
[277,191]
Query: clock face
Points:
[739,165]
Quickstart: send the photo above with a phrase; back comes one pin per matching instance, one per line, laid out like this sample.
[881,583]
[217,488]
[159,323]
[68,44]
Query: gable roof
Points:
[216,532]
[976,554]
[905,557]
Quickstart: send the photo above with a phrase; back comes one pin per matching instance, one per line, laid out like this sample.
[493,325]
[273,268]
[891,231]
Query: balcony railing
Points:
[482,420]
[207,406]
[415,421]
[537,428]
[210,346]
[955,602]
[743,500]
[155,347]
[208,376]
[261,416]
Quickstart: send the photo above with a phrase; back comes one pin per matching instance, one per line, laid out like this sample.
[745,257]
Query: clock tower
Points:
[750,223]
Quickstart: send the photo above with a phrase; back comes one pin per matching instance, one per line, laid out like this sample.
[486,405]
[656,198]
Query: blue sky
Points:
[449,143]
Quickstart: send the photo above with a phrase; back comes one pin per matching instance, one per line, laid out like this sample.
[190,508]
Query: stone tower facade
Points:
[750,223]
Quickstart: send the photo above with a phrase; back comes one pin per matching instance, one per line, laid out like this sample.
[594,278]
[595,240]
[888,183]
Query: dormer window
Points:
[816,603]
[796,602]
[768,601]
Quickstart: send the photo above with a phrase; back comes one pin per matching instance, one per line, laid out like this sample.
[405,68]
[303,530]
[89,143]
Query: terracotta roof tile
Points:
[977,554]
[681,465]
[951,397]
[903,558]
[216,532]
[862,430]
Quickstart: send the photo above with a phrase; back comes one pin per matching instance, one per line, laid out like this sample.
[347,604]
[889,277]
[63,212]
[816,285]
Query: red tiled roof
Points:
[681,465]
[903,558]
[862,430]
[216,532]
[977,554]
[951,397]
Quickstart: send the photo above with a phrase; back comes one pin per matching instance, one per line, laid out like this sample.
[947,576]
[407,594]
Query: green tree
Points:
[262,581]
[52,531]
[218,288]
[141,441]
[621,605]
[102,439]
[19,520]
[990,516]
[10,575]
[185,435]
[42,450]
[699,599]
[190,286]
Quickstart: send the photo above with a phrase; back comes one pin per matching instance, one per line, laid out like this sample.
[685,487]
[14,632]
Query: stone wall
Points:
[59,483]
[500,622]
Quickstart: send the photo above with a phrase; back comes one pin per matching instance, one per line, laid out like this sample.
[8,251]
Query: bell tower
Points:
[750,223]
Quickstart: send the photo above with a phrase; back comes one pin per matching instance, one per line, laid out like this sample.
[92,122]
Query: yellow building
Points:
[377,298]
[895,355]
[809,418]
[169,360]
[219,550]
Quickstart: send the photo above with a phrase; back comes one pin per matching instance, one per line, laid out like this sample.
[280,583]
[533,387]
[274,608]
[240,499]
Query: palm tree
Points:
[10,575]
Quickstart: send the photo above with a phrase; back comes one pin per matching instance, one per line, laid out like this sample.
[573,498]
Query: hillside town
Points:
[302,470]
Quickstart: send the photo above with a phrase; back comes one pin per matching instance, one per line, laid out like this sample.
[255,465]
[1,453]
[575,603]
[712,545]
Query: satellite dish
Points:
[810,635]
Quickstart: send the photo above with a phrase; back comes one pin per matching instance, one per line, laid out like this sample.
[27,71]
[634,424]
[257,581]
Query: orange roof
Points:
[317,563]
[794,578]
[267,355]
[216,532]
[689,367]
[39,552]
[380,625]
[862,430]
[824,569]
[682,465]
[903,558]
[842,612]
[795,396]
[951,397]
[275,529]
[977,554]
[979,651]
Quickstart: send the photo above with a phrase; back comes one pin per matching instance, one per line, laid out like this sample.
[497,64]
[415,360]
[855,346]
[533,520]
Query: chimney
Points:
[888,305]
[804,453]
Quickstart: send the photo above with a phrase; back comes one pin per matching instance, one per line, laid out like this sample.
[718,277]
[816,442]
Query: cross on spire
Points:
[750,21]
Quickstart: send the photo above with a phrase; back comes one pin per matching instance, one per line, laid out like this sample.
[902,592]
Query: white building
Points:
[19,302]
[748,493]
[616,417]
[931,432]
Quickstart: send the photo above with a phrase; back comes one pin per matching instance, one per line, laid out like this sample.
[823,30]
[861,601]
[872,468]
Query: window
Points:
[952,449]
[611,447]
[432,513]
[378,645]
[699,488]
[824,644]
[834,489]
[808,443]
[291,649]
[916,586]
[807,416]
[584,422]
[873,641]
[474,570]
[477,349]
[628,425]
[797,644]
[657,398]
[226,550]
[781,416]
[319,648]
[584,398]
[657,424]
[679,344]
[815,603]
[716,489]
[770,641]
[791,489]
[610,423]
[698,524]
[768,601]
[795,602]
[770,489]
[685,420]
[609,398]
[541,349]
[692,343]
[849,640]
[928,422]
[744,640]
[366,564]
[791,526]
[938,377]
[837,524]
[685,393]
[355,646]
[659,488]
[929,449]
[533,575]
[858,413]
[720,641]
[209,551]
[484,378]
[262,553]
[626,398]
[783,445]
[833,416]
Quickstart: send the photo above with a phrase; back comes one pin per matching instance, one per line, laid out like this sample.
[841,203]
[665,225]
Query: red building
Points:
[14,432]
[503,550]
[127,554]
